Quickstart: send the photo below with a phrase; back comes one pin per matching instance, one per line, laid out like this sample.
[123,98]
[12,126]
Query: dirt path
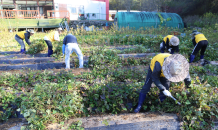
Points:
[109,122]
[122,121]
[76,71]
[13,124]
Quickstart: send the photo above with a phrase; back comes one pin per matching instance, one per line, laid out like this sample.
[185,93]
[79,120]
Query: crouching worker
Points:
[51,37]
[165,68]
[24,35]
[70,45]
[200,42]
[171,43]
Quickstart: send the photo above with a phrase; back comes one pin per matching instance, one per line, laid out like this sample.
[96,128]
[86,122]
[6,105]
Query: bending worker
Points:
[165,68]
[51,37]
[171,43]
[24,35]
[200,42]
[70,45]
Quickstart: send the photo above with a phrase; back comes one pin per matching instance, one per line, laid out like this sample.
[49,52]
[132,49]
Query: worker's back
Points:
[70,39]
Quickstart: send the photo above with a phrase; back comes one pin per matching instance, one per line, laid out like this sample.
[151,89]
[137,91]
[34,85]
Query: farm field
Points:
[116,63]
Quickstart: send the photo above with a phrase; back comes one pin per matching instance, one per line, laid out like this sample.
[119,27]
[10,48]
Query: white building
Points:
[82,9]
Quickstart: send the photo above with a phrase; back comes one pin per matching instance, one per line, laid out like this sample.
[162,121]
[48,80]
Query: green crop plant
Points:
[104,90]
[37,46]
[76,126]
[113,82]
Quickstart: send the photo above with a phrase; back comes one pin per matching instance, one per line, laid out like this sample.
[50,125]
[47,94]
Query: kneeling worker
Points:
[165,68]
[171,43]
[70,45]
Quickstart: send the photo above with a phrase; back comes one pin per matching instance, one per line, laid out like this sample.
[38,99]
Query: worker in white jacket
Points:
[70,45]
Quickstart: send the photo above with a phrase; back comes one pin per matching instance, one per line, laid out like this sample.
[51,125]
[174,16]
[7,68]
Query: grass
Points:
[149,38]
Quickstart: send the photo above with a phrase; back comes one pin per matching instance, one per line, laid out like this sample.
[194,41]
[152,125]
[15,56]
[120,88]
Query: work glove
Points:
[166,93]
[161,45]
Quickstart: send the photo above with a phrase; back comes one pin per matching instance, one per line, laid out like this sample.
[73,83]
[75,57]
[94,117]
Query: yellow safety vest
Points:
[21,34]
[159,58]
[169,37]
[50,36]
[199,37]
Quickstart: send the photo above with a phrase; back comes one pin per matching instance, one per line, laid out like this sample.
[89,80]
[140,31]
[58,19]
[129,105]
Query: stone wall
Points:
[86,23]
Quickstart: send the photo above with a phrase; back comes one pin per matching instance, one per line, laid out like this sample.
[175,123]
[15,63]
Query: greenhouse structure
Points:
[137,20]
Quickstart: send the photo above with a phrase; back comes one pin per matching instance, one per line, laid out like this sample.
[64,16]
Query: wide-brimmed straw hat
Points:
[174,41]
[175,68]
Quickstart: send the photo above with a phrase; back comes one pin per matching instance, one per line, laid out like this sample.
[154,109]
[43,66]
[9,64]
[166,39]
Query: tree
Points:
[116,5]
[150,5]
[192,7]
[164,5]
[129,4]
[142,5]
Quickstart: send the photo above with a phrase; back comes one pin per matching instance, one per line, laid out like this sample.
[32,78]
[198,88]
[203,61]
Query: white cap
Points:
[60,29]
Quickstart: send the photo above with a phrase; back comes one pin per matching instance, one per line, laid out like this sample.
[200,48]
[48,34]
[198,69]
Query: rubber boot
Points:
[192,57]
[202,57]
[162,97]
[50,52]
[202,62]
[140,102]
[22,51]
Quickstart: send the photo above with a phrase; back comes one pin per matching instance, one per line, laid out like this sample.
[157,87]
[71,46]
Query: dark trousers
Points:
[202,45]
[147,86]
[163,48]
[49,44]
[20,41]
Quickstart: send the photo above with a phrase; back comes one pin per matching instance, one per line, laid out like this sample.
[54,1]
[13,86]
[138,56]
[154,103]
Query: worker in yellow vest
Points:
[171,43]
[165,68]
[200,42]
[51,37]
[24,35]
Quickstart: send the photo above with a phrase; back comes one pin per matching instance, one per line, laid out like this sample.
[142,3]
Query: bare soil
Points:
[104,120]
[13,122]
[75,71]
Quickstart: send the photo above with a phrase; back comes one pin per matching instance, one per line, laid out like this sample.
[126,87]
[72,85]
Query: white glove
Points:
[169,49]
[166,93]
[161,45]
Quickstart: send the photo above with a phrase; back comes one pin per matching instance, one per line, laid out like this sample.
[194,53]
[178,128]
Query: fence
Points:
[32,14]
